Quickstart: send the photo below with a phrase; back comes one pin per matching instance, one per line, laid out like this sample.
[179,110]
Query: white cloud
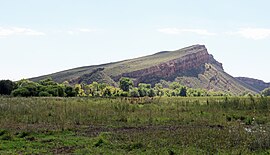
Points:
[71,32]
[81,30]
[252,33]
[87,30]
[19,31]
[176,31]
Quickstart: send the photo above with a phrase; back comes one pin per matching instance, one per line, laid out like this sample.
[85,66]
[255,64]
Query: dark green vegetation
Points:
[192,66]
[49,88]
[162,125]
[6,87]
[43,88]
[266,92]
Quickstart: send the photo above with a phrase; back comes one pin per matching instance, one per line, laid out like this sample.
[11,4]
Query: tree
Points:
[87,90]
[44,94]
[151,93]
[159,89]
[102,86]
[117,92]
[108,91]
[142,92]
[175,85]
[94,88]
[79,91]
[266,92]
[126,84]
[61,90]
[32,87]
[144,85]
[134,92]
[144,89]
[158,86]
[124,94]
[21,92]
[173,93]
[47,82]
[167,92]
[53,90]
[6,87]
[70,92]
[183,91]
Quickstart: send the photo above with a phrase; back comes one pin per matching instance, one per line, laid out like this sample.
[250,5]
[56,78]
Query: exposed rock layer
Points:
[191,64]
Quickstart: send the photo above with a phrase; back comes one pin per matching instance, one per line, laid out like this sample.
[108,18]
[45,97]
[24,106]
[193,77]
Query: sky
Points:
[39,37]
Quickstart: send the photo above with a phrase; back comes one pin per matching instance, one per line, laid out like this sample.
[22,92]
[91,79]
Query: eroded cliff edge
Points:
[192,64]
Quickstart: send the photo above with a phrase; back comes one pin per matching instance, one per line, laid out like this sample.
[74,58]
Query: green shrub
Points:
[21,92]
[2,132]
[23,134]
[6,87]
[7,136]
[44,94]
[266,92]
[134,146]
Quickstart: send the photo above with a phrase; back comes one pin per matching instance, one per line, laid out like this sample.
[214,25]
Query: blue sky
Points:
[38,37]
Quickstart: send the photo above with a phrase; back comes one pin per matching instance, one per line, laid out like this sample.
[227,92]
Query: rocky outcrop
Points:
[215,62]
[96,75]
[191,64]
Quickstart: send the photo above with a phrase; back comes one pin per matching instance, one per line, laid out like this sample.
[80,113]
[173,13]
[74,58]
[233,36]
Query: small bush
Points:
[6,137]
[248,121]
[228,118]
[100,142]
[171,152]
[134,146]
[44,94]
[23,134]
[2,132]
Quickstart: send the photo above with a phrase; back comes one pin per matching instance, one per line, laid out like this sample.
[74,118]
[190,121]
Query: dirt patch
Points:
[93,131]
[64,150]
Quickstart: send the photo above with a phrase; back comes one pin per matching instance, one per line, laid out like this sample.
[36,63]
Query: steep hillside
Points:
[96,76]
[258,84]
[192,66]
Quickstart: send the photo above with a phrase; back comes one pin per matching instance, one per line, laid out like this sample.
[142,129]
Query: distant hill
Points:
[255,83]
[192,66]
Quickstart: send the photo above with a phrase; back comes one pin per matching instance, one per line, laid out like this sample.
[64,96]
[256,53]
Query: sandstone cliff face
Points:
[189,65]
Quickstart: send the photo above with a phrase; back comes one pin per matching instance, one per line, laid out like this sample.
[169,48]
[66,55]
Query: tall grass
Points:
[203,124]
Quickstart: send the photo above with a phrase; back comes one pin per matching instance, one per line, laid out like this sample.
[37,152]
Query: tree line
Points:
[49,88]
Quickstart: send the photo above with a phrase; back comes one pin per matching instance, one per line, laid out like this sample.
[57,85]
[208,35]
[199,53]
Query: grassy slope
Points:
[223,81]
[98,76]
[255,83]
[117,68]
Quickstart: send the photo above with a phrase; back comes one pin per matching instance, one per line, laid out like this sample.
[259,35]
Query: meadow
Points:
[160,125]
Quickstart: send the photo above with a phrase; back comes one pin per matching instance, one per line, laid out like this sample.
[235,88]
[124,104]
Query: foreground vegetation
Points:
[160,125]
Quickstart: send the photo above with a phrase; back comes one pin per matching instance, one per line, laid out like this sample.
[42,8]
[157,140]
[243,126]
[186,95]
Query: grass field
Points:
[135,126]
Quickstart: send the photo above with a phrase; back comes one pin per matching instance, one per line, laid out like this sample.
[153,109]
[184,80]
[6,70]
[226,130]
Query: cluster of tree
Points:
[48,87]
[127,88]
[26,88]
[266,92]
